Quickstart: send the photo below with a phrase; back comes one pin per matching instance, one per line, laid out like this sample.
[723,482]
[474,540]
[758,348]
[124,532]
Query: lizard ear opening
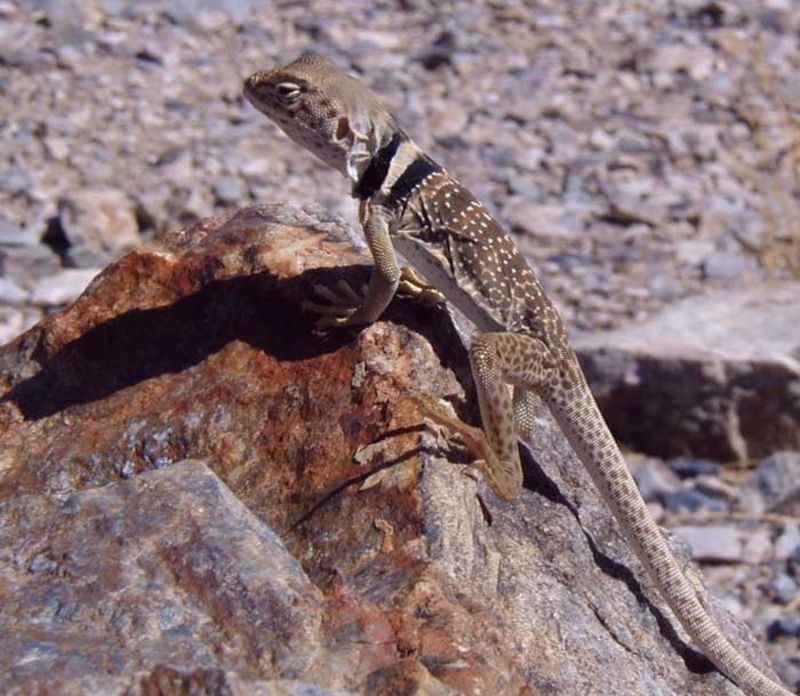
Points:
[342,128]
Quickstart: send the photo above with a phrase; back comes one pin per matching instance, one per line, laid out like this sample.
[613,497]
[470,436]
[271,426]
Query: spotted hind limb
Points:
[524,401]
[498,360]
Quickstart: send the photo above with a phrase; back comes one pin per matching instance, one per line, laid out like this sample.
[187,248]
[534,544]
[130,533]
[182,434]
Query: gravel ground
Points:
[641,151]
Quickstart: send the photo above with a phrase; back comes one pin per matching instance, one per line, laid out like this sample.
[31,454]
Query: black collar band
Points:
[373,177]
[415,173]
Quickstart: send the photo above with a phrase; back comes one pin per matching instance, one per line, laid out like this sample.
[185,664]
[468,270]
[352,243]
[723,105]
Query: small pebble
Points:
[785,588]
[688,467]
[714,543]
[689,500]
[229,190]
[782,628]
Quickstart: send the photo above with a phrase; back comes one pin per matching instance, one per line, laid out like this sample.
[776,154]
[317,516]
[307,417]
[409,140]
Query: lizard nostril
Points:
[252,84]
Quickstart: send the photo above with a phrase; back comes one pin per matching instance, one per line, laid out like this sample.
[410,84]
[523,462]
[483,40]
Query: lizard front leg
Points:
[384,279]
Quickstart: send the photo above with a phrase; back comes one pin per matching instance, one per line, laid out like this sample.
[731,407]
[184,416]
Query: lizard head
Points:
[329,113]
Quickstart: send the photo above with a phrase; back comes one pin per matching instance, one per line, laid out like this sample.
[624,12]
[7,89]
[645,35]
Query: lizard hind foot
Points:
[414,286]
[473,437]
[500,476]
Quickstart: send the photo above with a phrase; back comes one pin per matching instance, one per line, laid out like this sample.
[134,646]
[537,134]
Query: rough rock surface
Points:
[714,376]
[167,564]
[330,539]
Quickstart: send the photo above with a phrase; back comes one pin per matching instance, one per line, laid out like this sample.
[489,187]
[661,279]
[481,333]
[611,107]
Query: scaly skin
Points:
[410,204]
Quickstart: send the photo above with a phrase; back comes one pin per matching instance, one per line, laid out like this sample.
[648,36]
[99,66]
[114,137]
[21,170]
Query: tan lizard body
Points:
[410,204]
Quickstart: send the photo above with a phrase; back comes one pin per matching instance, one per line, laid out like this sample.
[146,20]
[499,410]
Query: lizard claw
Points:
[414,286]
[345,296]
[331,316]
[344,303]
[474,438]
[332,322]
[475,470]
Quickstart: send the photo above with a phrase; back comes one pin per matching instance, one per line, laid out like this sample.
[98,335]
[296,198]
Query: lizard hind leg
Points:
[498,360]
[524,412]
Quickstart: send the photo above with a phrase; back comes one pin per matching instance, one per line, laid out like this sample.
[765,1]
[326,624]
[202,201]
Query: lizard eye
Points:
[288,92]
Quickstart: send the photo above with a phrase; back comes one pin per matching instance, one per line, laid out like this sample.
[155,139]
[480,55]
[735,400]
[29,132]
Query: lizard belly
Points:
[428,263]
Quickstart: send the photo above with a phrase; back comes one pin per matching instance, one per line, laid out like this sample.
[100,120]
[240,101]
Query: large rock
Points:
[167,565]
[714,376]
[331,539]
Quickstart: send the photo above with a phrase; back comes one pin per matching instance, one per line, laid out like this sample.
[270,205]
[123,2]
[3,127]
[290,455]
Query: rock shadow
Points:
[261,310]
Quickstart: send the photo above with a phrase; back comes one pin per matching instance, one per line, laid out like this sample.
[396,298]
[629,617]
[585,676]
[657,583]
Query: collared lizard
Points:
[410,204]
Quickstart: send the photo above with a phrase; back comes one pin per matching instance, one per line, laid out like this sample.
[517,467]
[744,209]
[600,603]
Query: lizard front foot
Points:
[344,305]
[347,308]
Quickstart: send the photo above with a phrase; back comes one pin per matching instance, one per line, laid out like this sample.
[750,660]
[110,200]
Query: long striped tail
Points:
[587,432]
